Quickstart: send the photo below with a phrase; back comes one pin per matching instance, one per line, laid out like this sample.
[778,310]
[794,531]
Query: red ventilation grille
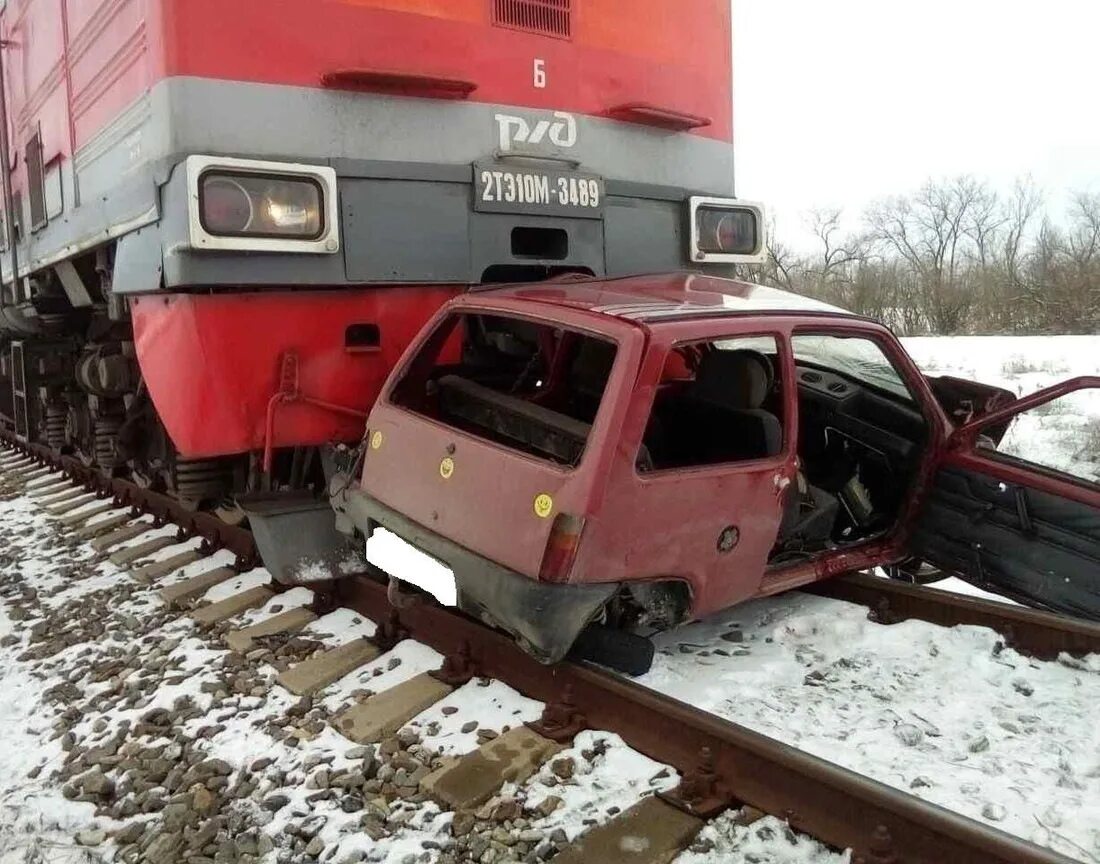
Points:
[546,17]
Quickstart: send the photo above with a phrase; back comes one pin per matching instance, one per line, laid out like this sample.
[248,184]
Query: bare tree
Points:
[1023,204]
[955,256]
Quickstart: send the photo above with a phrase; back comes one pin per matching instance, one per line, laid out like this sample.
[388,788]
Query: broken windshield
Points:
[857,357]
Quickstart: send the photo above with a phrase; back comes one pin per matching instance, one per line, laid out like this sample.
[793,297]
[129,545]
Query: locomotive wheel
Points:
[106,443]
[57,417]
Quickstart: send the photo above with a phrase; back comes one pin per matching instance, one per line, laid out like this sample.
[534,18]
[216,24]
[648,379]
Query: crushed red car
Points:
[617,455]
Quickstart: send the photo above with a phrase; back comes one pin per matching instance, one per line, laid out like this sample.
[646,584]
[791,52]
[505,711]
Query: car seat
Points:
[725,399]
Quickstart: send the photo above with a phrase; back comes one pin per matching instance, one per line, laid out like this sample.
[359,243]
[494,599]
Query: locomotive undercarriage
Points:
[78,389]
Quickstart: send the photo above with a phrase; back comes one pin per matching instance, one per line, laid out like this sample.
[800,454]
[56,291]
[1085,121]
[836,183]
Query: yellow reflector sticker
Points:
[544,505]
[376,440]
[446,467]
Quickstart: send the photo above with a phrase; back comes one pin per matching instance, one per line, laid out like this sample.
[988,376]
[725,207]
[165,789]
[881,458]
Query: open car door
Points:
[1022,518]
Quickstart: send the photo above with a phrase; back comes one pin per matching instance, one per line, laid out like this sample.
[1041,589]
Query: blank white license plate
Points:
[388,552]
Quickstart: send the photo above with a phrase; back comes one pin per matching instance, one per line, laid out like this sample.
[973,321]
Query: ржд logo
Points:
[513,130]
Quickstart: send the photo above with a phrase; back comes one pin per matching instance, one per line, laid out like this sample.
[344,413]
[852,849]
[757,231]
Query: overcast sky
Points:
[837,102]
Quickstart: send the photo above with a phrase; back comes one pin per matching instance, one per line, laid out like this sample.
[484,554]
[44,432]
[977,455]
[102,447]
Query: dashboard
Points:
[886,424]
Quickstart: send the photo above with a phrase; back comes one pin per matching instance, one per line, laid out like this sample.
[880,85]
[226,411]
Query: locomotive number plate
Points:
[538,191]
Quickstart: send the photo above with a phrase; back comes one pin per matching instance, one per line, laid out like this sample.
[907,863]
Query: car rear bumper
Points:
[545,619]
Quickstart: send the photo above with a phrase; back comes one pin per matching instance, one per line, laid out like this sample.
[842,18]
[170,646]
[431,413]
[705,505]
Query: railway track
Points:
[716,773]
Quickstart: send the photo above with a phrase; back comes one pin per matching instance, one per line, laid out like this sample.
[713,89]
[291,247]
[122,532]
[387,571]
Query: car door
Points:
[689,504]
[1022,518]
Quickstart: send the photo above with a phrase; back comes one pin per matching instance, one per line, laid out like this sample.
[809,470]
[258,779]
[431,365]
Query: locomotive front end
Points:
[222,255]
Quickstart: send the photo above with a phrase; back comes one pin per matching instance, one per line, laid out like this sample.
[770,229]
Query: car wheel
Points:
[621,650]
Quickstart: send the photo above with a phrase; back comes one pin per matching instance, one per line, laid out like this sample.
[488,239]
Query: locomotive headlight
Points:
[293,208]
[257,205]
[727,231]
[226,205]
[248,204]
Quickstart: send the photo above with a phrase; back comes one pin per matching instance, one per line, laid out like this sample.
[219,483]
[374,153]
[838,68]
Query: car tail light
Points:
[561,548]
[724,230]
[260,205]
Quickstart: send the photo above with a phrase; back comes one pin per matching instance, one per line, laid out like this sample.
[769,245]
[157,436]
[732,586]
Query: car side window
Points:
[718,401]
[1062,435]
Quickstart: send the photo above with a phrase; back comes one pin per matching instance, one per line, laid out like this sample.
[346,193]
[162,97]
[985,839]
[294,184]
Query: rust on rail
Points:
[216,533]
[724,762]
[1043,635]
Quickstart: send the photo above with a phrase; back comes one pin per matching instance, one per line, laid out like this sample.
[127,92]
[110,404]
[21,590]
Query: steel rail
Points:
[216,533]
[729,763]
[1043,635]
[835,805]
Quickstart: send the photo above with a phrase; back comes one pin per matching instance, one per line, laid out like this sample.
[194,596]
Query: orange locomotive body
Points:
[227,222]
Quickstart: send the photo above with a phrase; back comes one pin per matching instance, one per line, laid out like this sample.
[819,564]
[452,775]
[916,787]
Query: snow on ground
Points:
[950,715]
[1064,434]
[239,583]
[407,660]
[339,627]
[131,735]
[452,724]
[767,841]
[959,586]
[596,778]
[35,819]
[947,714]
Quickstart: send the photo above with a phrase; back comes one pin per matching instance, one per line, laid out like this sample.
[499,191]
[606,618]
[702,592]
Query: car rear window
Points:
[530,386]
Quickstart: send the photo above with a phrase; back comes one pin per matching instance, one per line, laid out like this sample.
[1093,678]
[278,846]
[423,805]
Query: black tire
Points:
[617,649]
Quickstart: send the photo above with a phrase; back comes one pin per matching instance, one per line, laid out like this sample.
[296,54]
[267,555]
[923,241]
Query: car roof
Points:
[669,296]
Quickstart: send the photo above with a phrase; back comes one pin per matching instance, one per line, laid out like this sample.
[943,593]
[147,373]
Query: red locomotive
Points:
[224,223]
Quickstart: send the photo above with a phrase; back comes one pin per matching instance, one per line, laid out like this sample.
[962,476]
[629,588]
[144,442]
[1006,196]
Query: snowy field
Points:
[129,735]
[1063,434]
[124,724]
[949,715]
